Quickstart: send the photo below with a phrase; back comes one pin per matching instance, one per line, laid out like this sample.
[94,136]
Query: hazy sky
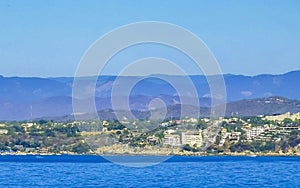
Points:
[48,38]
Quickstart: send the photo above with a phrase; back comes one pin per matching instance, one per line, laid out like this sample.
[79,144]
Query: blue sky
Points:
[48,38]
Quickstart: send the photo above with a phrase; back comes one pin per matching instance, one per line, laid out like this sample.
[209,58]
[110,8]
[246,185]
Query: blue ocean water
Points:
[95,171]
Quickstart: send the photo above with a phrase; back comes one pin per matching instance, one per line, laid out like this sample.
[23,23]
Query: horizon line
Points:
[235,74]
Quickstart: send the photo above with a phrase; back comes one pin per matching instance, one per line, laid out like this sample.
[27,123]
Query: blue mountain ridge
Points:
[26,98]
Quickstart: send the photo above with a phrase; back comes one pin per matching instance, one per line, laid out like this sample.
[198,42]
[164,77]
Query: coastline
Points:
[244,154]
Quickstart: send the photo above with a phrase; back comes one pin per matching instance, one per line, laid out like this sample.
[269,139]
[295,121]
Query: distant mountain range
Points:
[249,107]
[29,98]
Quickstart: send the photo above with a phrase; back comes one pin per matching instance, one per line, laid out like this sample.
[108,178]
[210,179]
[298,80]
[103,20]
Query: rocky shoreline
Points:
[162,153]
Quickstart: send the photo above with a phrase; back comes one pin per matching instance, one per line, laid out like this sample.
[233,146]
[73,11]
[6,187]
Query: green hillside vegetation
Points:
[234,136]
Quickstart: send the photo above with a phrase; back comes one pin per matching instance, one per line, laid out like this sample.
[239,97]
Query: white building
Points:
[169,131]
[172,140]
[234,136]
[254,132]
[3,131]
[192,138]
[281,117]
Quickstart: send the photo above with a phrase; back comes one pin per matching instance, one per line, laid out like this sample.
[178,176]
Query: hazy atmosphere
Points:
[194,93]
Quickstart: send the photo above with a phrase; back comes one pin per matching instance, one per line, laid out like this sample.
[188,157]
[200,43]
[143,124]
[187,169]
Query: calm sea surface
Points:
[93,171]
